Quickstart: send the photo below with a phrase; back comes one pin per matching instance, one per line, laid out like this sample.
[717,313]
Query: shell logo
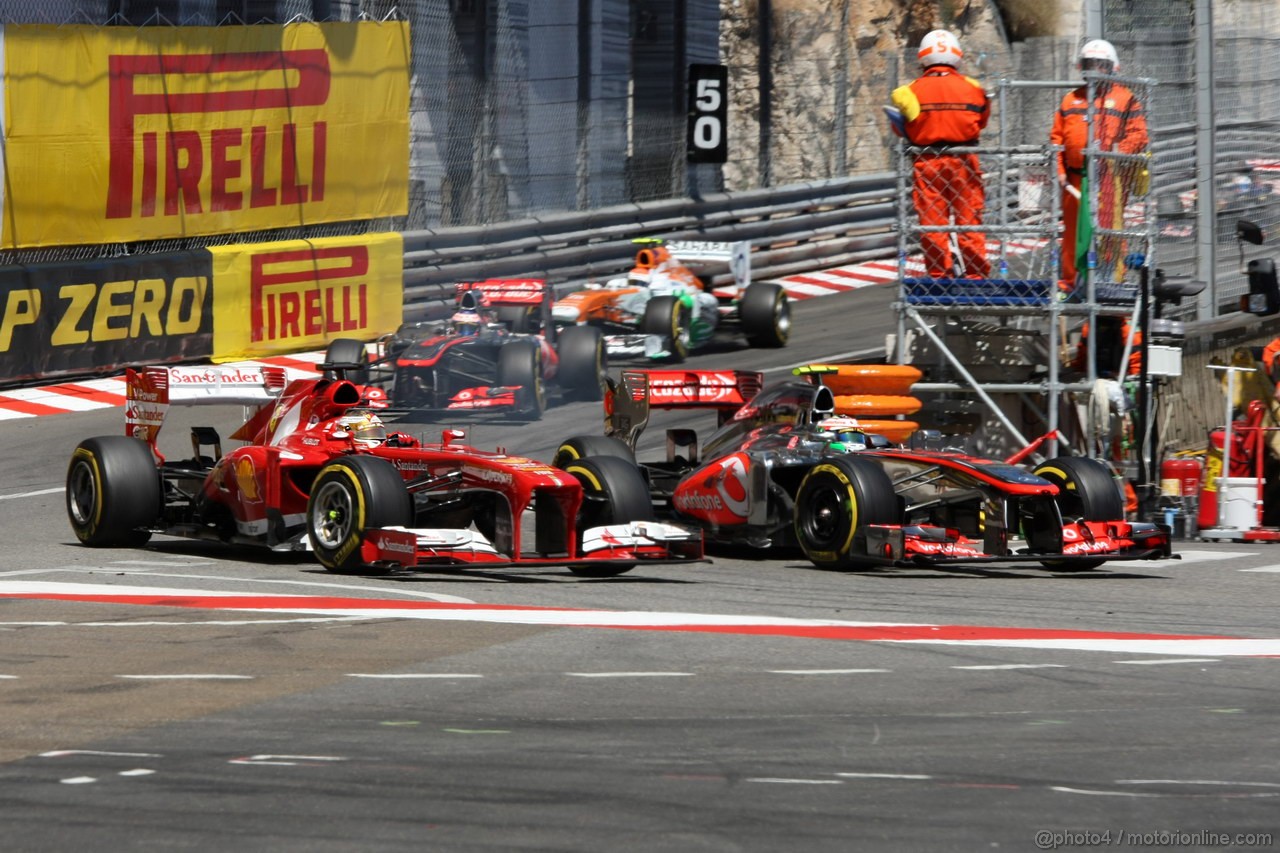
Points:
[246,478]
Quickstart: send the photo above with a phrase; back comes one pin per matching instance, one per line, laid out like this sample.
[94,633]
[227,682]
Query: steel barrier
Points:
[792,229]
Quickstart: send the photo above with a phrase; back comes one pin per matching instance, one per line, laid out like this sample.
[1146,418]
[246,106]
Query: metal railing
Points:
[792,229]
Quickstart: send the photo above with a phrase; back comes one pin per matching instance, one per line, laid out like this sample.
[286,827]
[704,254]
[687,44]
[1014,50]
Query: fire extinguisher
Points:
[1242,463]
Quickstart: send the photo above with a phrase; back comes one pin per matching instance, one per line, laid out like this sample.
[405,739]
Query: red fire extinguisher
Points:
[1242,463]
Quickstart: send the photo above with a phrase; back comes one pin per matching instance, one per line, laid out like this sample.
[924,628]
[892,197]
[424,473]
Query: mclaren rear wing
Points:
[629,401]
[500,292]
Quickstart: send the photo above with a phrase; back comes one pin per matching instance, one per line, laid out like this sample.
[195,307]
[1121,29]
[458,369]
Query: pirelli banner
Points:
[121,134]
[61,319]
[300,294]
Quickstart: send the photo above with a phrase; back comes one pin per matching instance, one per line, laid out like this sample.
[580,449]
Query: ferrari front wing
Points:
[632,542]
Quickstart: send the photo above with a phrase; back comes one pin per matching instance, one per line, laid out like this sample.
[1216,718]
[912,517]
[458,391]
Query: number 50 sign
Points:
[708,114]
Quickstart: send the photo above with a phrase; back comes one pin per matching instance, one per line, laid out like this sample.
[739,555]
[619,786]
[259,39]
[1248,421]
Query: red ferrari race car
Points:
[499,354]
[783,470]
[320,473]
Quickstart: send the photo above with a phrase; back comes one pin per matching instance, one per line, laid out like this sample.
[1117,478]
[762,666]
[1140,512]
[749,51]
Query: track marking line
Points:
[1167,660]
[630,674]
[823,671]
[190,676]
[1013,666]
[914,776]
[410,675]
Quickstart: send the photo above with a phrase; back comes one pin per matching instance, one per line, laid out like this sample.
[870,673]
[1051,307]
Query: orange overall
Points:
[1120,126]
[944,108]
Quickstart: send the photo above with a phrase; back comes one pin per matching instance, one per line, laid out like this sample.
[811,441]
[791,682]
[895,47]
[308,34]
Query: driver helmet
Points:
[1098,55]
[466,322]
[843,433]
[1242,184]
[365,427]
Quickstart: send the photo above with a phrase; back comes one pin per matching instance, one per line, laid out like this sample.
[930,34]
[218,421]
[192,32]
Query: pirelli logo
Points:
[306,292]
[178,172]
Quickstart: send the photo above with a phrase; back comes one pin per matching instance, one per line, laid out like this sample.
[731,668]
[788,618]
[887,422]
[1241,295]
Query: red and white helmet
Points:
[1098,55]
[940,47]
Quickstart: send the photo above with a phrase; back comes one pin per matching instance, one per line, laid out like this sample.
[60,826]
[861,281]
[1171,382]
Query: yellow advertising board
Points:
[120,134]
[273,298]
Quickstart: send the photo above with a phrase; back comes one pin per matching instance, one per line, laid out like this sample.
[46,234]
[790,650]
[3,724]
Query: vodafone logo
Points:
[721,488]
[733,484]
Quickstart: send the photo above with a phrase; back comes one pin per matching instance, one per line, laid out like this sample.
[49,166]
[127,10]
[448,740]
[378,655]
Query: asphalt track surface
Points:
[187,696]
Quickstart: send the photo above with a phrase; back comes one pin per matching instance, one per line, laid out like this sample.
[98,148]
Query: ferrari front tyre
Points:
[765,314]
[351,496]
[520,365]
[349,351]
[1086,492]
[614,492]
[582,446]
[835,503]
[113,491]
[669,318]
[582,373]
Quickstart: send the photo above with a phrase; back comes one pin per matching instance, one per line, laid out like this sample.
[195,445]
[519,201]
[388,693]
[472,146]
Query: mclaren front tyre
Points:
[837,499]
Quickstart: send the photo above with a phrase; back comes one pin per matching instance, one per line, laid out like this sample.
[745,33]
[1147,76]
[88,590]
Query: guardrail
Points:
[796,228]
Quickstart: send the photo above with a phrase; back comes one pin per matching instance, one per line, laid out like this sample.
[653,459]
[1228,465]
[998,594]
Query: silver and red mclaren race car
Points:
[783,471]
[499,355]
[318,472]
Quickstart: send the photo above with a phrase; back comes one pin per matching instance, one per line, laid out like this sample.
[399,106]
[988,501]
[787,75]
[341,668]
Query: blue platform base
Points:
[977,291]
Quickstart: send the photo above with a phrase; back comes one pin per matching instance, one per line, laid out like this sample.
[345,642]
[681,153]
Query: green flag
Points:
[1084,232]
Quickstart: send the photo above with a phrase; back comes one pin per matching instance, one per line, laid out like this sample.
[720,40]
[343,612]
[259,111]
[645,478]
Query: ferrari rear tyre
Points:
[351,496]
[614,492]
[113,491]
[836,501]
[582,446]
[520,364]
[349,351]
[583,372]
[1086,492]
[765,314]
[670,318]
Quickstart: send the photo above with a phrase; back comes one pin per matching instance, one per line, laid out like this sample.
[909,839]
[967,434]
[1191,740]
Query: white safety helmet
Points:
[1098,55]
[940,47]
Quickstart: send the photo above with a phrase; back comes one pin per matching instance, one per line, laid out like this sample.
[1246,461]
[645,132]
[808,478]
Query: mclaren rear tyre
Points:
[351,496]
[1087,491]
[114,491]
[348,351]
[517,318]
[614,492]
[520,364]
[671,319]
[583,446]
[836,501]
[765,314]
[583,371]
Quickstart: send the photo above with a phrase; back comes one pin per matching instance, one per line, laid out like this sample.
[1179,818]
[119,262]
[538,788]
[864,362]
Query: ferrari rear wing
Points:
[150,391]
[628,402]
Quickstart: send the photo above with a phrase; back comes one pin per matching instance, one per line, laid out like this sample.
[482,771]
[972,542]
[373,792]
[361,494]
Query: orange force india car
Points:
[783,471]
[667,306]
[317,471]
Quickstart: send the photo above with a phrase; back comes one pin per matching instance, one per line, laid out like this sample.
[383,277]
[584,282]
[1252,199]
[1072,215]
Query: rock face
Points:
[816,108]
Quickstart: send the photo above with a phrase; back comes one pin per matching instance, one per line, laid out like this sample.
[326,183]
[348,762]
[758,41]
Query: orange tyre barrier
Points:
[871,378]
[871,405]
